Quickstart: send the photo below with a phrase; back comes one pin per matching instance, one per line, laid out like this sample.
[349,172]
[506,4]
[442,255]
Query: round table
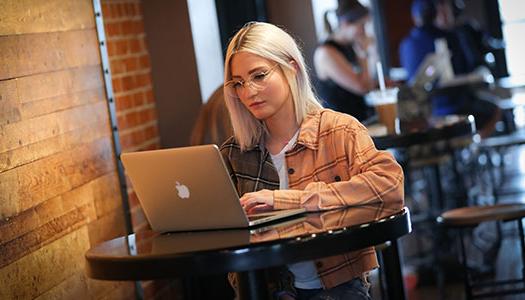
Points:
[149,255]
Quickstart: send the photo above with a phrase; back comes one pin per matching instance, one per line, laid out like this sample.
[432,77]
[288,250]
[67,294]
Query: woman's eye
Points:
[237,84]
[259,77]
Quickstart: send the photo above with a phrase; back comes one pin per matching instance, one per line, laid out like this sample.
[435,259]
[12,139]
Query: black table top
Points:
[150,255]
[427,131]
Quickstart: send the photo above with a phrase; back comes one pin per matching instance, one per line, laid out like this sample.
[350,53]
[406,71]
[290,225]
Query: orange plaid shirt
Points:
[333,164]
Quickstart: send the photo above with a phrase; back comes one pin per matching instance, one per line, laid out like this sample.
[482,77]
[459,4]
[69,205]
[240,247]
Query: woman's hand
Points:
[257,201]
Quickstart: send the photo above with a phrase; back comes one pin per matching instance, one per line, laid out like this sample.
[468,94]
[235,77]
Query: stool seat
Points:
[471,216]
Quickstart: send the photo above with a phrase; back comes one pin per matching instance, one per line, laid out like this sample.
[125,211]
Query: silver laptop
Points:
[189,188]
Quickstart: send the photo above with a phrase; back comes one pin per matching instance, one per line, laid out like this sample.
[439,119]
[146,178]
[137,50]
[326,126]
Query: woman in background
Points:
[289,152]
[342,62]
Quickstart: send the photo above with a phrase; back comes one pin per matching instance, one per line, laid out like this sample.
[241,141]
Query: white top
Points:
[305,273]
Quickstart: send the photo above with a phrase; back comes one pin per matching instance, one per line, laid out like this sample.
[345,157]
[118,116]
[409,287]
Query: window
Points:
[513,19]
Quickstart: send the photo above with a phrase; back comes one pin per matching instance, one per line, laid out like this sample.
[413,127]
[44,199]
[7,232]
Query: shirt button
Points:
[318,264]
[337,178]
[291,171]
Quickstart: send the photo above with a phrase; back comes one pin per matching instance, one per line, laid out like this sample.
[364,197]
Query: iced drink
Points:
[385,103]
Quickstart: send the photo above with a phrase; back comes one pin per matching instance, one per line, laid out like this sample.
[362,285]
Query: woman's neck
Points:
[280,132]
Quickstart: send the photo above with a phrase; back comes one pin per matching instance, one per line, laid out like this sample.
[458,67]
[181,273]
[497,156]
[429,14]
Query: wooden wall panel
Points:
[59,192]
[44,16]
[24,55]
[45,268]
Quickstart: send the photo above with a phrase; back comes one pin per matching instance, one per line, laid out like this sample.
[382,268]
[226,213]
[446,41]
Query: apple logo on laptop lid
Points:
[182,190]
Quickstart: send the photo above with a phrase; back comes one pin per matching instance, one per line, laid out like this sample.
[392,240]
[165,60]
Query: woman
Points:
[289,152]
[342,61]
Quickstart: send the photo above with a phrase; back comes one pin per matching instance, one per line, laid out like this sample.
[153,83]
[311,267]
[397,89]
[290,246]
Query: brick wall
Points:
[131,74]
[135,104]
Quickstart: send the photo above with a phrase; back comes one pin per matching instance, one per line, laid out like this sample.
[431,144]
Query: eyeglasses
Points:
[257,81]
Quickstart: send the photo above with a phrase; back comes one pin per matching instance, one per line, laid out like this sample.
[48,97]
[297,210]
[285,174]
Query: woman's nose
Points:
[247,91]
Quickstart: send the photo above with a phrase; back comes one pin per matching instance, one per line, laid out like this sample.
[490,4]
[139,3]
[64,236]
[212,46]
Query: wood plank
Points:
[45,234]
[74,287]
[107,227]
[38,272]
[33,152]
[104,289]
[106,194]
[57,83]
[9,112]
[23,55]
[58,103]
[85,195]
[13,136]
[33,16]
[29,185]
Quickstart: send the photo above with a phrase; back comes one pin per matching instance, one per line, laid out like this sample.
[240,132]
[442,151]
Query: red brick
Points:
[148,95]
[131,64]
[128,83]
[138,8]
[143,80]
[150,132]
[106,11]
[144,61]
[124,102]
[113,7]
[112,29]
[122,123]
[117,67]
[117,85]
[126,141]
[132,119]
[121,8]
[138,99]
[129,9]
[133,9]
[154,145]
[138,27]
[121,47]
[127,27]
[111,47]
[138,137]
[151,114]
[134,45]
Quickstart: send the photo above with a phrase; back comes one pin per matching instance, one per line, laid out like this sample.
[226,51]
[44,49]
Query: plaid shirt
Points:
[333,164]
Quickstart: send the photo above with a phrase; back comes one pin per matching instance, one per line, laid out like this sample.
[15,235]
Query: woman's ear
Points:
[295,66]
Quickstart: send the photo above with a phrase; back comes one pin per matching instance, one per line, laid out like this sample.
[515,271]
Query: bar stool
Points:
[466,217]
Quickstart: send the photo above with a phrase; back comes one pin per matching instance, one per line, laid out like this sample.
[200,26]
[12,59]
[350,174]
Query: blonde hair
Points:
[270,42]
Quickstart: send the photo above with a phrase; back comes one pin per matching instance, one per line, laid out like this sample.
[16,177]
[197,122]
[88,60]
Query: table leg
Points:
[252,285]
[392,271]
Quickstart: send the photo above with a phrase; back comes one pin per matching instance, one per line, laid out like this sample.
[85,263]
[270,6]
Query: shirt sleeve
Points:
[375,176]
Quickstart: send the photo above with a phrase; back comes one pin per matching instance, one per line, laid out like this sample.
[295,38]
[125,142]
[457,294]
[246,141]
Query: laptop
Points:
[189,188]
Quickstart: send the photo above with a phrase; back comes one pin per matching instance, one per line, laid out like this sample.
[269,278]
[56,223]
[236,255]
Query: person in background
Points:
[343,62]
[420,42]
[213,123]
[288,152]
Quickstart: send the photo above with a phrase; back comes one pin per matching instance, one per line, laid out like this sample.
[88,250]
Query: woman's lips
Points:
[256,103]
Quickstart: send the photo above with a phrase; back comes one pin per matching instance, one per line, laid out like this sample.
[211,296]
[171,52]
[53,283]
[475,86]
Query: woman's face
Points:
[355,30]
[271,97]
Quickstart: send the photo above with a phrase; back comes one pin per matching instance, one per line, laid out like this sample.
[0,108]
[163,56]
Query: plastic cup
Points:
[385,104]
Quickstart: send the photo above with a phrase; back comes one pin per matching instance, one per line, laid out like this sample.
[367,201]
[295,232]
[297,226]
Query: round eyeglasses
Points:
[257,81]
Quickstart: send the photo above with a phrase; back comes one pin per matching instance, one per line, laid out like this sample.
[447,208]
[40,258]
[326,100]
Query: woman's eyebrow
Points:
[256,69]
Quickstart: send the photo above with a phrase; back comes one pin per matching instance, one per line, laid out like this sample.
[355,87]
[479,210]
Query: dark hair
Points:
[350,10]
[424,10]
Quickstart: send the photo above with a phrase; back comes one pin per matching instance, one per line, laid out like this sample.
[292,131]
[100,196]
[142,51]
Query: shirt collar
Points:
[309,132]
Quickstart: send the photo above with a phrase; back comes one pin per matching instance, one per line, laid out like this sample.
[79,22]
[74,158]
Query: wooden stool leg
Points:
[468,289]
